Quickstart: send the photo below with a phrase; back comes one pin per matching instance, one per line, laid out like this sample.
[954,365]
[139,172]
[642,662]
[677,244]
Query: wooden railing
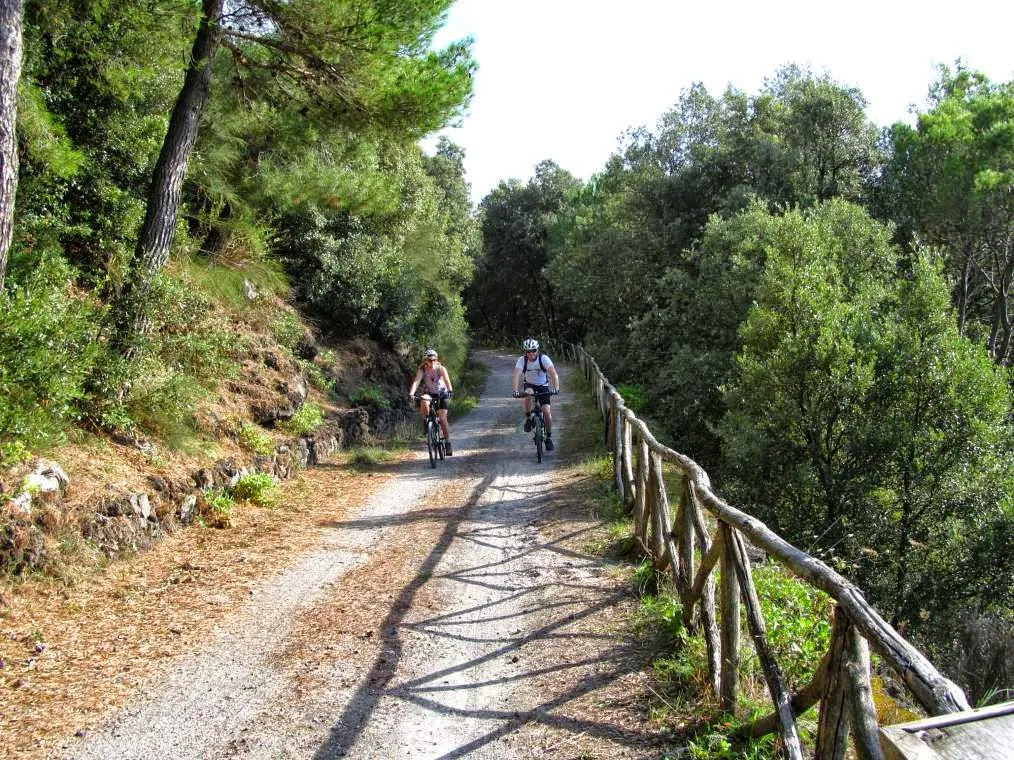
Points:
[842,683]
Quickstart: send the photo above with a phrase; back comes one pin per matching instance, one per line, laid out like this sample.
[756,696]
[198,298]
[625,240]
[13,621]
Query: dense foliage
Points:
[305,160]
[816,310]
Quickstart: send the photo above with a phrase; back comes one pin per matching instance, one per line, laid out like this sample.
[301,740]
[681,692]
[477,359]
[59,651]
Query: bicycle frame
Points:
[434,433]
[538,422]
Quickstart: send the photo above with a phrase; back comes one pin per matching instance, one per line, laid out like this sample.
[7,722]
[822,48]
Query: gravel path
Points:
[438,622]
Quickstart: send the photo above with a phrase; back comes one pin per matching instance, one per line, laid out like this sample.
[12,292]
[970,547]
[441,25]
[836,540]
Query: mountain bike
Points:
[537,423]
[434,433]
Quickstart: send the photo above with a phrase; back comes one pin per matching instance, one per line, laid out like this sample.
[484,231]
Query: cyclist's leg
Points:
[542,397]
[526,403]
[424,411]
[442,414]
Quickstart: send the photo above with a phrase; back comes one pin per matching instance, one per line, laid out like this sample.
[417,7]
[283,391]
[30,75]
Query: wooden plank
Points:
[685,537]
[666,532]
[983,734]
[708,563]
[707,603]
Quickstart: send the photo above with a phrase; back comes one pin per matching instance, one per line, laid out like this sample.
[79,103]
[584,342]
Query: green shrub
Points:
[256,440]
[48,347]
[798,621]
[371,396]
[220,502]
[662,613]
[186,333]
[316,376]
[181,361]
[256,488]
[633,397]
[161,402]
[288,330]
[305,421]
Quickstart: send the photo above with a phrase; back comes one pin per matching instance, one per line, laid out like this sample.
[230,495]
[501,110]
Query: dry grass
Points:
[72,651]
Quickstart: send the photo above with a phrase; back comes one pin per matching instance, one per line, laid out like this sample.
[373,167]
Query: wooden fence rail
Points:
[842,681]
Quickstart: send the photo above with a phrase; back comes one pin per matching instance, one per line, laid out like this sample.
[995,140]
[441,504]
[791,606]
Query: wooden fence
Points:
[842,682]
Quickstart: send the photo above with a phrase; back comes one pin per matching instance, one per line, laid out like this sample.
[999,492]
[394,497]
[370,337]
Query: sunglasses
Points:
[532,351]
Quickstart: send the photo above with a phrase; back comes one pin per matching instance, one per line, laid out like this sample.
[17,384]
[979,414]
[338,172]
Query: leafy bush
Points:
[633,397]
[216,509]
[305,421]
[256,488]
[798,621]
[256,440]
[183,359]
[288,329]
[48,347]
[370,396]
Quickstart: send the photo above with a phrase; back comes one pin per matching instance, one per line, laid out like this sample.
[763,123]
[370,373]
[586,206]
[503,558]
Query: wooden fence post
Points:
[685,529]
[729,686]
[658,503]
[865,731]
[835,717]
[642,504]
[758,632]
[628,466]
[619,421]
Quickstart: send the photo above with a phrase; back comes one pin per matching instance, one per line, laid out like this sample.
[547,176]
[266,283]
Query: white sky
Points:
[563,79]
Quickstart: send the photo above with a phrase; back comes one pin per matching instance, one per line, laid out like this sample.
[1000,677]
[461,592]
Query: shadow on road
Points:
[523,615]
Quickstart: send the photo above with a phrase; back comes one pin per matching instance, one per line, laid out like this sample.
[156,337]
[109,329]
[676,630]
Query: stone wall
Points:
[122,521]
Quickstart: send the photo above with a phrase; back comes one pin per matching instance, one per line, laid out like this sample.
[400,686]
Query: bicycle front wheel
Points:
[540,434]
[432,443]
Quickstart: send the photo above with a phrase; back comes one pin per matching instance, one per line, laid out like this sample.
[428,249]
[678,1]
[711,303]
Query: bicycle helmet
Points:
[430,354]
[531,344]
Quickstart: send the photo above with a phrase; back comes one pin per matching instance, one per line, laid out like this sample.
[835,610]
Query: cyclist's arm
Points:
[555,378]
[447,379]
[514,382]
[415,382]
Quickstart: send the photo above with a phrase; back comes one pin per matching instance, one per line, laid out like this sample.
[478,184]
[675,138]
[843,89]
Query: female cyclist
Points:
[437,383]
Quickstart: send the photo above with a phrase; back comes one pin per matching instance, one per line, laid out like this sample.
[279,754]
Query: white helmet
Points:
[531,344]
[430,354]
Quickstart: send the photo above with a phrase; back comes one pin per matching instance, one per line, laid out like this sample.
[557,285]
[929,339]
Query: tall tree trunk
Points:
[156,236]
[11,48]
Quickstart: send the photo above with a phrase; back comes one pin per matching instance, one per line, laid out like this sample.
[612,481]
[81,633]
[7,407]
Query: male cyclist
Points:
[538,371]
[437,383]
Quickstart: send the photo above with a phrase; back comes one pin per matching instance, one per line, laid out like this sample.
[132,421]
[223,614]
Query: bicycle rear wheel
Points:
[431,443]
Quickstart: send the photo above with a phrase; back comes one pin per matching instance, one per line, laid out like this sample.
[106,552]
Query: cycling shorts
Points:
[439,400]
[541,393]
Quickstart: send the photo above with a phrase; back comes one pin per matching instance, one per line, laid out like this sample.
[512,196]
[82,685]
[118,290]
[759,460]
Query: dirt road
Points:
[455,612]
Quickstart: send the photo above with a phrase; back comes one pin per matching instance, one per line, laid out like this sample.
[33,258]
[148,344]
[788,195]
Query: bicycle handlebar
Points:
[420,396]
[530,392]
